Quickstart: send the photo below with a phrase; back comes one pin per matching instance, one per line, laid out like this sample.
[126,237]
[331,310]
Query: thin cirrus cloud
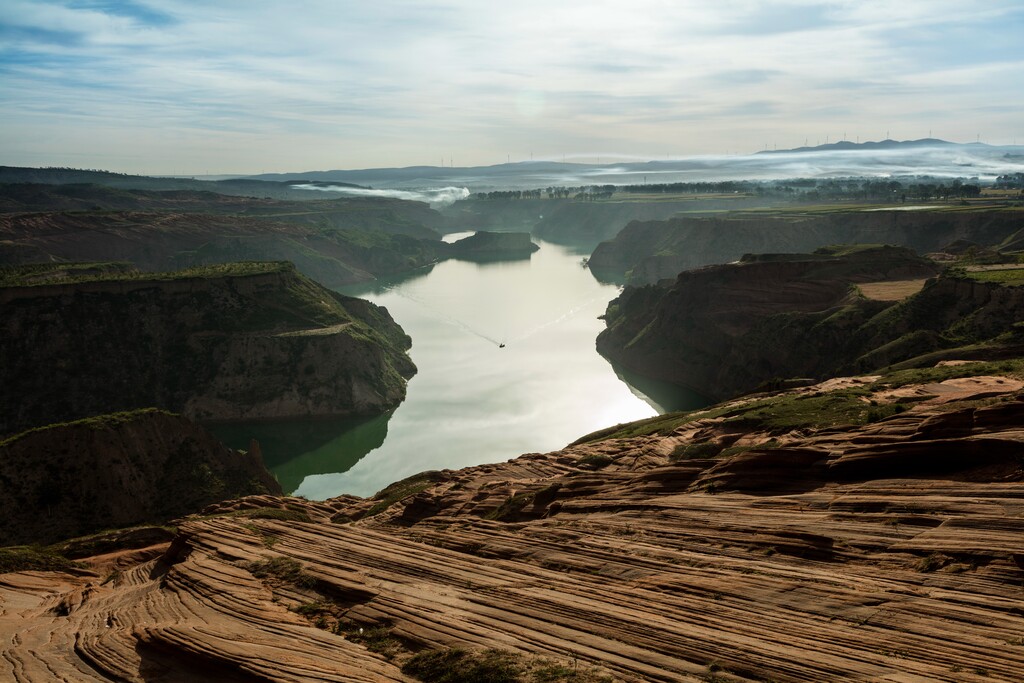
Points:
[189,86]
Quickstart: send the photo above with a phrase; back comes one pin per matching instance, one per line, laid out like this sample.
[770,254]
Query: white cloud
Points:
[325,84]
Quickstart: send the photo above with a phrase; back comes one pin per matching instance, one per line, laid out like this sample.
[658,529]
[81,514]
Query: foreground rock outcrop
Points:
[722,545]
[232,342]
[117,470]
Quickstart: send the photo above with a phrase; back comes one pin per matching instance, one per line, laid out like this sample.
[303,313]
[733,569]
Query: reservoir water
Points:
[472,400]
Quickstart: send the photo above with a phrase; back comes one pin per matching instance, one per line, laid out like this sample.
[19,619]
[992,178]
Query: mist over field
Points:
[441,196]
[440,185]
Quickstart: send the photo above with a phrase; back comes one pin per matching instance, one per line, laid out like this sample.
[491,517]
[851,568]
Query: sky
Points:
[249,86]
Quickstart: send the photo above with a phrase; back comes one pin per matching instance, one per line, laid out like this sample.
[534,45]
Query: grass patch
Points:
[99,422]
[455,665]
[511,507]
[28,558]
[899,378]
[1008,277]
[659,424]
[932,562]
[403,489]
[692,451]
[284,569]
[376,638]
[594,461]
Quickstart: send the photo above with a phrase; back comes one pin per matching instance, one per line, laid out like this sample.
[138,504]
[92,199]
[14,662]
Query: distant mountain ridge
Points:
[888,143]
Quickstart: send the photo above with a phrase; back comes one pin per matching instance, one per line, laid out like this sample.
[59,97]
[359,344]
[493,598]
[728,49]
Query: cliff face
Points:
[646,252]
[579,222]
[114,471]
[885,551]
[262,342]
[726,329]
[336,247]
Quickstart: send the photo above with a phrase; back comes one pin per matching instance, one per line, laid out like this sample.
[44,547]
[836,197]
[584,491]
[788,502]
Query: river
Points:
[473,401]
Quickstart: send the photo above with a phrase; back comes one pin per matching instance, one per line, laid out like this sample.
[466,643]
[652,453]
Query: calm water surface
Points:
[472,402]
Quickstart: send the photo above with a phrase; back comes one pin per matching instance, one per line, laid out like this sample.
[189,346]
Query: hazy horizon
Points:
[179,87]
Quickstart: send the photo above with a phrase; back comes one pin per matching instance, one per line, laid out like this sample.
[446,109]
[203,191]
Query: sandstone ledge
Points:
[892,551]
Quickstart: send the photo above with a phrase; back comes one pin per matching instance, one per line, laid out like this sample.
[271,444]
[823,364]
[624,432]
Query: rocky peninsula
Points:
[232,342]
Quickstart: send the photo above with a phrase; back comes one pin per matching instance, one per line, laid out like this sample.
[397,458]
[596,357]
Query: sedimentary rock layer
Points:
[890,551]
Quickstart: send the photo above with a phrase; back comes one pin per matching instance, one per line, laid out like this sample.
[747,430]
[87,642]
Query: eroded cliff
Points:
[223,343]
[722,330]
[114,471]
[646,252]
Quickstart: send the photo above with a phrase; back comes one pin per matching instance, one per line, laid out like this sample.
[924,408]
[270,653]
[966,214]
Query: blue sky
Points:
[226,86]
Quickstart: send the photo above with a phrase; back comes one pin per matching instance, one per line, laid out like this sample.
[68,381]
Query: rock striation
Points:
[118,470]
[235,342]
[882,551]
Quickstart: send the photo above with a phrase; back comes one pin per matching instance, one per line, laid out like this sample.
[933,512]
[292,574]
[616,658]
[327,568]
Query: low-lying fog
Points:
[448,184]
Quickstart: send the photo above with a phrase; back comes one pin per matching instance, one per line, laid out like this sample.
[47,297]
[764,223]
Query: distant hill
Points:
[244,187]
[846,145]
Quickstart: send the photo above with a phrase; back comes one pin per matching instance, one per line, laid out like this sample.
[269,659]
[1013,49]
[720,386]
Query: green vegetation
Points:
[458,665]
[1009,277]
[594,461]
[30,558]
[691,451]
[510,507]
[98,422]
[797,411]
[455,665]
[898,378]
[286,569]
[115,271]
[409,486]
[375,638]
[57,273]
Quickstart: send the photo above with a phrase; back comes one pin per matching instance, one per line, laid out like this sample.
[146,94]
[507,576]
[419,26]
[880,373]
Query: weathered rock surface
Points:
[115,471]
[244,342]
[891,551]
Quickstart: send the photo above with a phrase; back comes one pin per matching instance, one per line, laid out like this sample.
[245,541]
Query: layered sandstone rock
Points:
[887,551]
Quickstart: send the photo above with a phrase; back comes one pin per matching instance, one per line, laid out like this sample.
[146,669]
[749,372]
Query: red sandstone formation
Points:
[891,551]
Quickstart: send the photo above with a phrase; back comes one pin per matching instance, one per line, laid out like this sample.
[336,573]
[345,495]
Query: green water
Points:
[473,402]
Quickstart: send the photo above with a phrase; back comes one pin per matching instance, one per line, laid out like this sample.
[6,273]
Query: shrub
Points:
[691,451]
[283,568]
[455,665]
